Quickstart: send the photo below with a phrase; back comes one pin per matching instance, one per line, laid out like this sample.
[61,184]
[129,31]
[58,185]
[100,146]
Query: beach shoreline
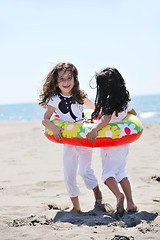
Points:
[33,198]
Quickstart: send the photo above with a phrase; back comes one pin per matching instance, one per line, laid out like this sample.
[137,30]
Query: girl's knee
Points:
[85,172]
[82,172]
[89,178]
[69,178]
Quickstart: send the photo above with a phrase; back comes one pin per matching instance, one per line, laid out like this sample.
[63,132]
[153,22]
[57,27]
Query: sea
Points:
[146,106]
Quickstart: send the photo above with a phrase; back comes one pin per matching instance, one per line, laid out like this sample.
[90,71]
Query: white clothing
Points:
[66,110]
[74,155]
[114,158]
[121,115]
[114,162]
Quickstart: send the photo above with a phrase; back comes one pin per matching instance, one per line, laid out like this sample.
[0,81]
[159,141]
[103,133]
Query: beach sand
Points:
[33,199]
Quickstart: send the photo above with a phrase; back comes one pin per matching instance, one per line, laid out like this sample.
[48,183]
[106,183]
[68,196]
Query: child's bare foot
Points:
[120,205]
[75,210]
[75,204]
[98,199]
[131,208]
[97,194]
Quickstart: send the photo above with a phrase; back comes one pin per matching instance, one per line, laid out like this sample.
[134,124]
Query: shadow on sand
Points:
[95,217]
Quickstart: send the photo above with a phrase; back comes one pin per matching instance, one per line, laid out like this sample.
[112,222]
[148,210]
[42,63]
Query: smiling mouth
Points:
[66,86]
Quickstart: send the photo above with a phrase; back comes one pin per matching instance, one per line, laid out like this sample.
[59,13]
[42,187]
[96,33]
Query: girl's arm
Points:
[48,124]
[92,134]
[88,103]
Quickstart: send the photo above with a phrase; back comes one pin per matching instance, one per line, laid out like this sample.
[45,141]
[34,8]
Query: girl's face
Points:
[65,82]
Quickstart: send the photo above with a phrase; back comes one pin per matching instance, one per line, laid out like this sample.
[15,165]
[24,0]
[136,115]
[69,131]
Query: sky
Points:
[35,35]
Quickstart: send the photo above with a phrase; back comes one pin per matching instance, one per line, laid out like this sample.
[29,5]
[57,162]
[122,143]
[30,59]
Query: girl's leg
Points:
[87,173]
[97,194]
[125,184]
[75,203]
[121,177]
[113,186]
[70,164]
[112,158]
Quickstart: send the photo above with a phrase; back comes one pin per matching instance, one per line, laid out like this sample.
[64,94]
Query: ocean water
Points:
[146,106]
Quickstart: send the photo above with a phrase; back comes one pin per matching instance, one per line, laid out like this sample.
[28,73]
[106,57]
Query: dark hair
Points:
[50,87]
[112,95]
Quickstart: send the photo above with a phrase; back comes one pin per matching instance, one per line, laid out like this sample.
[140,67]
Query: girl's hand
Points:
[57,132]
[92,135]
[48,124]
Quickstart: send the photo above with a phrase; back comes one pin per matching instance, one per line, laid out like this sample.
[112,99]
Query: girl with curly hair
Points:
[112,103]
[61,94]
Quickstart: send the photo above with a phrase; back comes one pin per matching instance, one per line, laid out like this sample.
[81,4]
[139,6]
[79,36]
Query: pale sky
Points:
[92,34]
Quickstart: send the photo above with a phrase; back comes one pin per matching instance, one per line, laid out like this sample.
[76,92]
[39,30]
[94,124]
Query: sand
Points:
[33,199]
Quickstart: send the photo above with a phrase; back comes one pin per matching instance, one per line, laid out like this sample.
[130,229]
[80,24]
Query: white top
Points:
[67,111]
[121,115]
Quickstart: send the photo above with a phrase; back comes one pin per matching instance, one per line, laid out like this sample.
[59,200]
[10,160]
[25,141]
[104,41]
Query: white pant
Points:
[72,155]
[114,162]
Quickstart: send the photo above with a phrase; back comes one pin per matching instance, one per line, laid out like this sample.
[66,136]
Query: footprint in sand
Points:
[119,237]
[156,178]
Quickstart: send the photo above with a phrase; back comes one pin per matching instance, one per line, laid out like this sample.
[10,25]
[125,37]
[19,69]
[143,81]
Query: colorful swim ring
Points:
[114,134]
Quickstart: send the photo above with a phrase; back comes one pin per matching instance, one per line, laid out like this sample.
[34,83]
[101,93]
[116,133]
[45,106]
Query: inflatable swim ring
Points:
[113,134]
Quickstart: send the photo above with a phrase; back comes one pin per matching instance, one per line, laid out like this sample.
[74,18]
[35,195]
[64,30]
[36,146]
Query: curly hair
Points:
[51,89]
[112,95]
